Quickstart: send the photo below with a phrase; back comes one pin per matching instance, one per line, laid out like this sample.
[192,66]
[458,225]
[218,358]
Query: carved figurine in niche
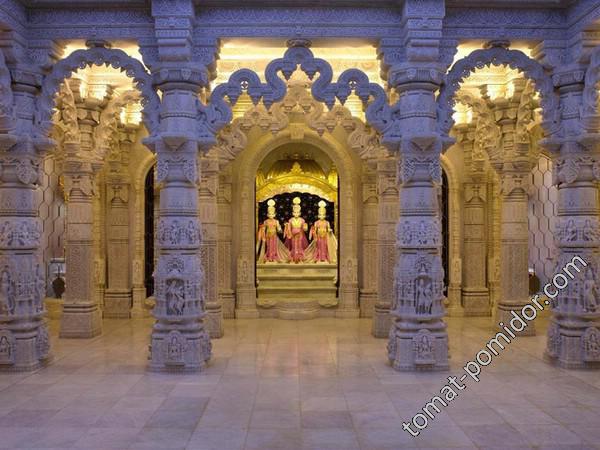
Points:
[269,247]
[590,292]
[5,350]
[175,296]
[589,233]
[323,247]
[591,344]
[6,306]
[423,347]
[175,348]
[295,233]
[571,231]
[423,295]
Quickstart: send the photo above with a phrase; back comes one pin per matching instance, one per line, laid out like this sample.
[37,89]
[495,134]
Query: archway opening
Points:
[296,219]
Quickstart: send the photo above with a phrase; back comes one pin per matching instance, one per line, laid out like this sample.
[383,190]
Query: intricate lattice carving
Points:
[106,132]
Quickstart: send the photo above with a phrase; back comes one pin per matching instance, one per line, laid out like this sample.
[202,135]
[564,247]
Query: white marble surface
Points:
[274,384]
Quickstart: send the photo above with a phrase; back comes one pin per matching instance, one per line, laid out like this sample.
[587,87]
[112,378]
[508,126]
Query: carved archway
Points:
[249,162]
[97,56]
[217,113]
[497,56]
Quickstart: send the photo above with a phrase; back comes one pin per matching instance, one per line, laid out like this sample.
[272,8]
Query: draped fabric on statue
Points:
[330,246]
[270,248]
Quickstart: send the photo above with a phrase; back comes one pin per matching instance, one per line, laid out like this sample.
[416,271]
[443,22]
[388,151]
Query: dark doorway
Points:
[149,232]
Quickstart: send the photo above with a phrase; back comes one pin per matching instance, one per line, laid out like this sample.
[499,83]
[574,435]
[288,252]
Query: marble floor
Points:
[274,384]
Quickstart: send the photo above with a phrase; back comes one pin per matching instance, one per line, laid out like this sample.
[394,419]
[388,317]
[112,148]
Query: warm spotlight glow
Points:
[97,91]
[131,114]
[463,114]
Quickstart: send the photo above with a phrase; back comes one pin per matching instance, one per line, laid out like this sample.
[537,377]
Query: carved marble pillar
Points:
[179,340]
[369,263]
[348,263]
[117,297]
[573,335]
[418,338]
[512,162]
[386,245]
[81,317]
[245,289]
[207,196]
[475,294]
[226,292]
[24,341]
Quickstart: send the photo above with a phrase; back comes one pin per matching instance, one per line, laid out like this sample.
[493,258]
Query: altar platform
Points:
[296,291]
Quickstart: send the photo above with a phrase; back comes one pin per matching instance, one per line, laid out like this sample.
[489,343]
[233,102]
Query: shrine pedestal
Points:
[296,291]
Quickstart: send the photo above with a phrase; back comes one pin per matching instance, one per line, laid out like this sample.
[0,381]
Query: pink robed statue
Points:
[269,247]
[295,233]
[323,248]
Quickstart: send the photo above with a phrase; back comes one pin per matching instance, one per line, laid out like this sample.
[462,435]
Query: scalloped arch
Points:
[497,56]
[217,113]
[98,56]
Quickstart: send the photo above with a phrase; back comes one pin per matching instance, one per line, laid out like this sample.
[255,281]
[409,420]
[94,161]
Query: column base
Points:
[54,307]
[504,314]
[138,311]
[347,313]
[227,299]
[421,346]
[26,345]
[80,321]
[117,304]
[246,313]
[367,302]
[179,347]
[572,343]
[214,320]
[380,327]
[476,303]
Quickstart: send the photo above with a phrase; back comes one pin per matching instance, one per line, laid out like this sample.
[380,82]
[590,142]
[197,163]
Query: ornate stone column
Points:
[226,293]
[24,341]
[369,263]
[574,330]
[117,297]
[179,339]
[81,316]
[386,245]
[513,163]
[418,338]
[475,295]
[207,196]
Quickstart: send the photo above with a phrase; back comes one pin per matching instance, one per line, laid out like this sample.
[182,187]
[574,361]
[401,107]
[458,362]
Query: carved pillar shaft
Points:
[573,339]
[386,245]
[418,338]
[207,193]
[24,342]
[179,339]
[81,317]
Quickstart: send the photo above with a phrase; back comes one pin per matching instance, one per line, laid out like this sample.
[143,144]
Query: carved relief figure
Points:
[423,295]
[175,297]
[323,247]
[423,347]
[591,344]
[6,306]
[175,348]
[571,231]
[6,350]
[295,233]
[269,247]
[590,292]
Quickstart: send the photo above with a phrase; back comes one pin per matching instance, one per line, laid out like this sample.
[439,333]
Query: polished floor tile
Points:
[274,384]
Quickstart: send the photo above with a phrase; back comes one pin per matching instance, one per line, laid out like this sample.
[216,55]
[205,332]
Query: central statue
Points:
[295,233]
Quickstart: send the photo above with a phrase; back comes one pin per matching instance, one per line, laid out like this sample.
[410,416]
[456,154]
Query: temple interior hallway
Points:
[314,384]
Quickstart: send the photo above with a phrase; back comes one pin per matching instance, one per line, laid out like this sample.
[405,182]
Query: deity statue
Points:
[590,293]
[5,293]
[323,248]
[294,233]
[268,246]
[423,296]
